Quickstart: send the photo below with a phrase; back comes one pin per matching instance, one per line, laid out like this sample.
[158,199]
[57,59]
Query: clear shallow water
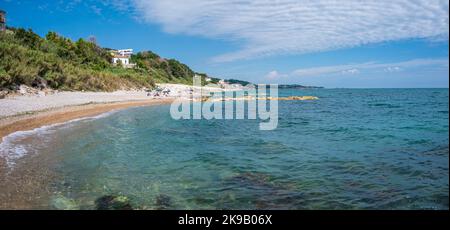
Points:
[351,149]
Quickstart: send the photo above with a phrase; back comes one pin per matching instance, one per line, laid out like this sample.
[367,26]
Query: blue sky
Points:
[365,44]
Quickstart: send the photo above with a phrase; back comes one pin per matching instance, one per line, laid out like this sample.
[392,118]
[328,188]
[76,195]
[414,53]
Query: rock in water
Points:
[163,202]
[110,202]
[63,203]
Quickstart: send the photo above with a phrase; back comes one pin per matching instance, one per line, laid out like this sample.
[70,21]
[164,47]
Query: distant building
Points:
[2,20]
[122,57]
[124,60]
[125,52]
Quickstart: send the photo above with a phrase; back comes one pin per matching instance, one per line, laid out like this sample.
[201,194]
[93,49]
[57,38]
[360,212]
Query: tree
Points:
[28,37]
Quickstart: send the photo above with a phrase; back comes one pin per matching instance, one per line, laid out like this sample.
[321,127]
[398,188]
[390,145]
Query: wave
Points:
[12,146]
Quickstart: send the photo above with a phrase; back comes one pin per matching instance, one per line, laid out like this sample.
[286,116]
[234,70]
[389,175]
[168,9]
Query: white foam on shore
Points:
[11,149]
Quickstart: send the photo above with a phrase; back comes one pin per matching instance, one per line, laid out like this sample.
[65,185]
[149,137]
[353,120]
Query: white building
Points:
[124,60]
[122,57]
[125,52]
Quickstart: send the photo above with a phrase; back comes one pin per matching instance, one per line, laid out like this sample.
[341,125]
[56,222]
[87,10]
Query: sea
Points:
[349,149]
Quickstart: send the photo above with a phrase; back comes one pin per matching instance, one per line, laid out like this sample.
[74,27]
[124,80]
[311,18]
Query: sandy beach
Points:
[29,112]
[36,119]
[26,112]
[58,115]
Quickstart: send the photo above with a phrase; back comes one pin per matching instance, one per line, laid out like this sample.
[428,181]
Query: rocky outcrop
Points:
[110,202]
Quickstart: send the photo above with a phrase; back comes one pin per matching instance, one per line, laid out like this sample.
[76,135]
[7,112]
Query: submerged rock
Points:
[110,202]
[63,203]
[163,202]
[263,192]
[252,178]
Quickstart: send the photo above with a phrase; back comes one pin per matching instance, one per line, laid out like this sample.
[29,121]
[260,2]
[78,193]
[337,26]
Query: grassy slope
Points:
[59,63]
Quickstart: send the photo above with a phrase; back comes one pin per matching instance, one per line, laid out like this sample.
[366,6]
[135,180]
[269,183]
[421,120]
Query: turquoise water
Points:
[351,149]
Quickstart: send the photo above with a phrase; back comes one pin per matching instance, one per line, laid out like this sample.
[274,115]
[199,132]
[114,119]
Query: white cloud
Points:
[322,70]
[357,68]
[274,75]
[392,69]
[350,71]
[121,5]
[268,27]
[97,10]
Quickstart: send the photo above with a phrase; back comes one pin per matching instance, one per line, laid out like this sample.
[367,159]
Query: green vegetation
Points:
[163,70]
[234,81]
[59,63]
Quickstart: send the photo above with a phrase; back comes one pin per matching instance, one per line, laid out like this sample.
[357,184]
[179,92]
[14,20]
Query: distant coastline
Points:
[297,86]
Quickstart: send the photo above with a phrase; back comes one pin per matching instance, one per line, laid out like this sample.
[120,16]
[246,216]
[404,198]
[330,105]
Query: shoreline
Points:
[27,112]
[36,119]
[31,170]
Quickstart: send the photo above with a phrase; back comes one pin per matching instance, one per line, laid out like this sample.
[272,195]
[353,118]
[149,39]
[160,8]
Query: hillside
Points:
[240,82]
[57,62]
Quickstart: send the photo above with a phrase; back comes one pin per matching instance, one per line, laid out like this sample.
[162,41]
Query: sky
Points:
[335,44]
